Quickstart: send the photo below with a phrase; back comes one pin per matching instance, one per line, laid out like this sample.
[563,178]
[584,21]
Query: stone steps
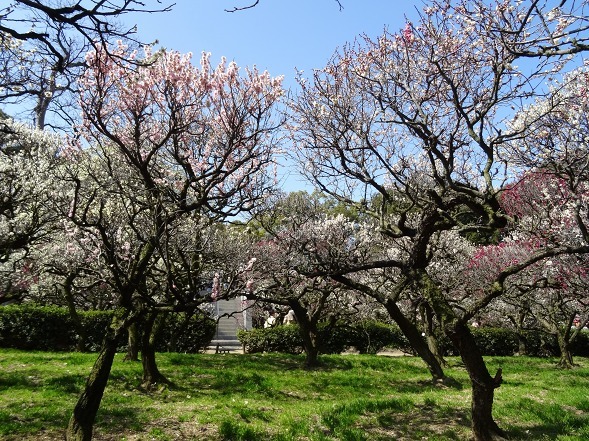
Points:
[229,322]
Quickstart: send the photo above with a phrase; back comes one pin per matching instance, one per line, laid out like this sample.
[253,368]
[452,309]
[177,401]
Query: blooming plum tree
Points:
[300,237]
[419,118]
[551,291]
[550,203]
[43,45]
[310,242]
[550,218]
[27,161]
[166,140]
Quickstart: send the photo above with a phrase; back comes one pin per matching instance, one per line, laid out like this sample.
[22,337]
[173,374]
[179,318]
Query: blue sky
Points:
[276,35]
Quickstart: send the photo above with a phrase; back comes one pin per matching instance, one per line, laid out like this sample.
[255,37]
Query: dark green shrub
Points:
[95,324]
[366,336]
[50,328]
[36,327]
[538,344]
[541,344]
[334,338]
[505,342]
[190,333]
[491,341]
[496,341]
[288,339]
[285,339]
[370,336]
[32,327]
[580,345]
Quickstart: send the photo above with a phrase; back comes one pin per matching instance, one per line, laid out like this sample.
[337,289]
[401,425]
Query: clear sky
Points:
[276,35]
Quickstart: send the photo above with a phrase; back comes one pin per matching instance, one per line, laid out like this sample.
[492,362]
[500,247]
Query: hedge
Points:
[39,328]
[186,333]
[502,341]
[365,336]
[491,341]
[50,328]
[284,339]
[371,337]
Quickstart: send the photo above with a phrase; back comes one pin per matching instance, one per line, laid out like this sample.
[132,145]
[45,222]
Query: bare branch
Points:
[253,5]
[235,9]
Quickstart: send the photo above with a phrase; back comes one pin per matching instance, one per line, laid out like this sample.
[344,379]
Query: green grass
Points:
[270,397]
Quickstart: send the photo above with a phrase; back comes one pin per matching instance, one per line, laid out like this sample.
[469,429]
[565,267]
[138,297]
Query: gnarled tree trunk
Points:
[522,343]
[309,334]
[151,373]
[430,334]
[416,340]
[82,420]
[434,347]
[407,327]
[566,355]
[518,321]
[483,385]
[484,426]
[71,305]
[132,343]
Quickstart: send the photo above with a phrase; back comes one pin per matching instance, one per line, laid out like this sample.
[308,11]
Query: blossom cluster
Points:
[206,129]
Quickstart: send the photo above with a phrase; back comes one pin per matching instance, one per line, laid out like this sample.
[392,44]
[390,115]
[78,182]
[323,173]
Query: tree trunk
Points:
[310,342]
[434,347]
[132,343]
[311,348]
[77,321]
[566,356]
[309,335]
[430,335]
[82,421]
[522,343]
[483,385]
[151,374]
[416,340]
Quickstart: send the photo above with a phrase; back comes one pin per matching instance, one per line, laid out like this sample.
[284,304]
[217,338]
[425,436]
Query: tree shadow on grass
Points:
[403,421]
[228,382]
[287,362]
[256,374]
[68,383]
[556,420]
[119,419]
[17,380]
[17,422]
[232,361]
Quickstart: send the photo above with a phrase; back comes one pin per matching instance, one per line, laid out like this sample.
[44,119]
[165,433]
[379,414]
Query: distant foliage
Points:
[50,328]
[491,341]
[505,342]
[95,323]
[496,341]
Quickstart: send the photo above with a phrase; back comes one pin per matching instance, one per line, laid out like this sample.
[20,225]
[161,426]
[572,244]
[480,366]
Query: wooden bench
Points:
[222,350]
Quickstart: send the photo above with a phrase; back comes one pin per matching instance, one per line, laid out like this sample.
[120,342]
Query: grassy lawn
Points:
[270,397]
